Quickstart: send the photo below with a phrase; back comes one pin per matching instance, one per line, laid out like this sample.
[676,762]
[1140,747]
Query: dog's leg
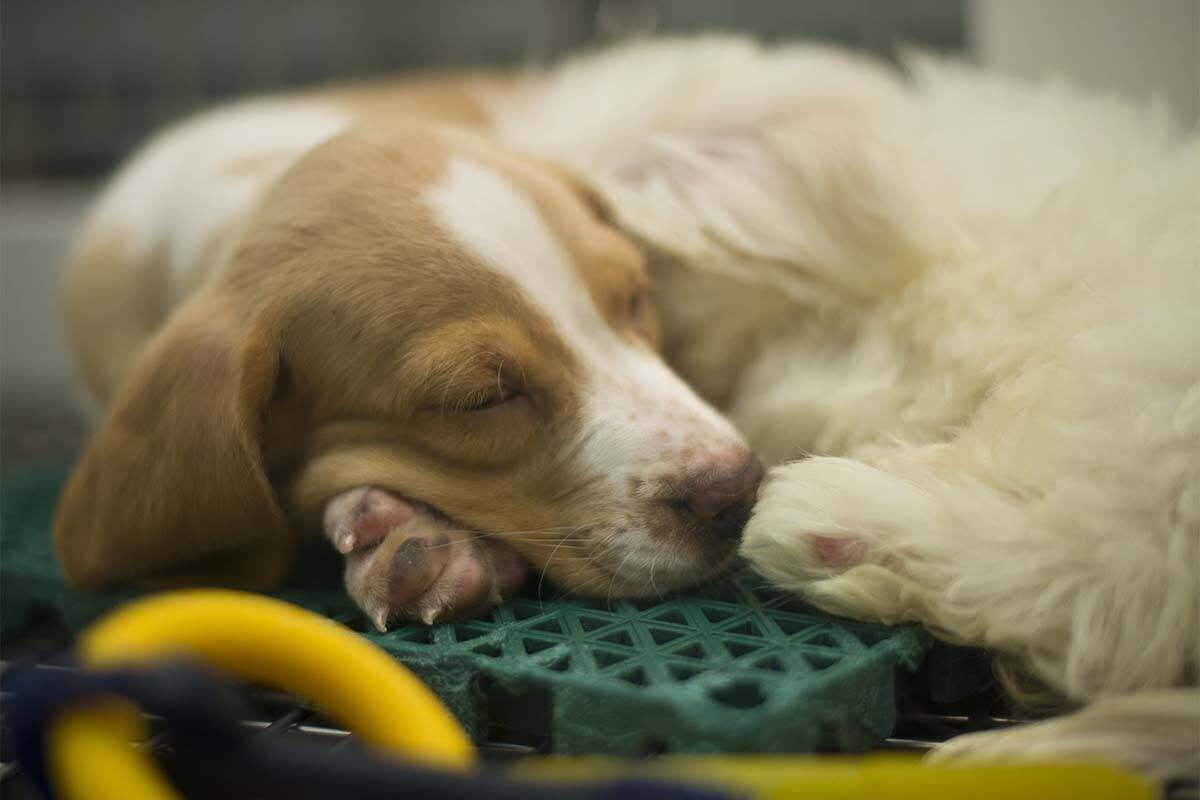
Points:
[405,561]
[1155,733]
[921,536]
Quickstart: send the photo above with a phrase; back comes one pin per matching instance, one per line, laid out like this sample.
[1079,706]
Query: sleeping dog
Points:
[336,313]
[959,314]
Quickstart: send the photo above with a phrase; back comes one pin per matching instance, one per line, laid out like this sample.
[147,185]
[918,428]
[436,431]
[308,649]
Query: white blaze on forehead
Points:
[504,228]
[636,405]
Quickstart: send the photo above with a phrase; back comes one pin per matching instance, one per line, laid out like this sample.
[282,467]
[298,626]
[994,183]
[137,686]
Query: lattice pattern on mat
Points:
[732,667]
[703,640]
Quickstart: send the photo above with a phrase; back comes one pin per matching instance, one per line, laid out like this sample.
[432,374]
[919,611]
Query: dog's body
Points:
[975,302]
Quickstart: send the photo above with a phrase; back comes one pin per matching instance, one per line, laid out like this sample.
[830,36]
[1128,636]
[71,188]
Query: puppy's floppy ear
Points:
[173,486]
[827,197]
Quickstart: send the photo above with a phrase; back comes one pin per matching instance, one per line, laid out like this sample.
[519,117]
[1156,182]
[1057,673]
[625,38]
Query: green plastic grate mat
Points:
[731,667]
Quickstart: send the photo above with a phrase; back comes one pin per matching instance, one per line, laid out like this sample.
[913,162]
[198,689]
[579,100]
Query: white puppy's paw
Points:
[841,533]
[405,561]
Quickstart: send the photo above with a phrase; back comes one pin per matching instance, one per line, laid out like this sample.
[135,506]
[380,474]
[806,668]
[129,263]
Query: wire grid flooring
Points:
[732,667]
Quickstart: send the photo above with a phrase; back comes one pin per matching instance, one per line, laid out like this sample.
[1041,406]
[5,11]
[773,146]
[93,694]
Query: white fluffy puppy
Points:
[962,315]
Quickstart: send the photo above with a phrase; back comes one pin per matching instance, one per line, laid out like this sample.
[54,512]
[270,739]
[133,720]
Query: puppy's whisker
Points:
[551,531]
[613,580]
[546,566]
[562,540]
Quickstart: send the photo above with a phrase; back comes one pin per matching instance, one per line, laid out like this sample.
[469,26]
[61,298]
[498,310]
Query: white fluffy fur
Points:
[187,184]
[977,301]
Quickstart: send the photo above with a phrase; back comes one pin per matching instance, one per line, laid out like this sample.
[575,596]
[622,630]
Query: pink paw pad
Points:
[840,552]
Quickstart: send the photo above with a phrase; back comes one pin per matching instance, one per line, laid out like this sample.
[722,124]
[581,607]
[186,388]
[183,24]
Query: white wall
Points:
[1135,47]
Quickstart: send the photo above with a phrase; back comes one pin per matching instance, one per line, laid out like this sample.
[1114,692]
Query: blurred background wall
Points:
[1137,48]
[83,81]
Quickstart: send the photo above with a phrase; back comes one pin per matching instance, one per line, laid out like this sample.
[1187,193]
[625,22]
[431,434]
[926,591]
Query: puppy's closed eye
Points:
[493,398]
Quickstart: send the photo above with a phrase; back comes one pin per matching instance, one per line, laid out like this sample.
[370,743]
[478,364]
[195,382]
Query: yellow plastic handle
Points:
[257,639]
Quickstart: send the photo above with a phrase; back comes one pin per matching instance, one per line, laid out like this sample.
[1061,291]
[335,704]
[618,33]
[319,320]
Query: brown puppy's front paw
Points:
[403,560]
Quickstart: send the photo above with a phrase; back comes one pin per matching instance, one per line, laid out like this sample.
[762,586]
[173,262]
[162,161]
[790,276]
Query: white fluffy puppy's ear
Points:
[797,166]
[812,204]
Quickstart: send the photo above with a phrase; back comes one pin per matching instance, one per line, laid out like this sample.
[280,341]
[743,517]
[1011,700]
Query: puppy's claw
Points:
[434,606]
[361,518]
[404,561]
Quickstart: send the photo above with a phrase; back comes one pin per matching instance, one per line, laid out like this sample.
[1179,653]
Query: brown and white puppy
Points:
[351,311]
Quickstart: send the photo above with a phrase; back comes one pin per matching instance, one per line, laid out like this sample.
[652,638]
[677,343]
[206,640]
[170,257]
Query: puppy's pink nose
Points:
[720,499]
